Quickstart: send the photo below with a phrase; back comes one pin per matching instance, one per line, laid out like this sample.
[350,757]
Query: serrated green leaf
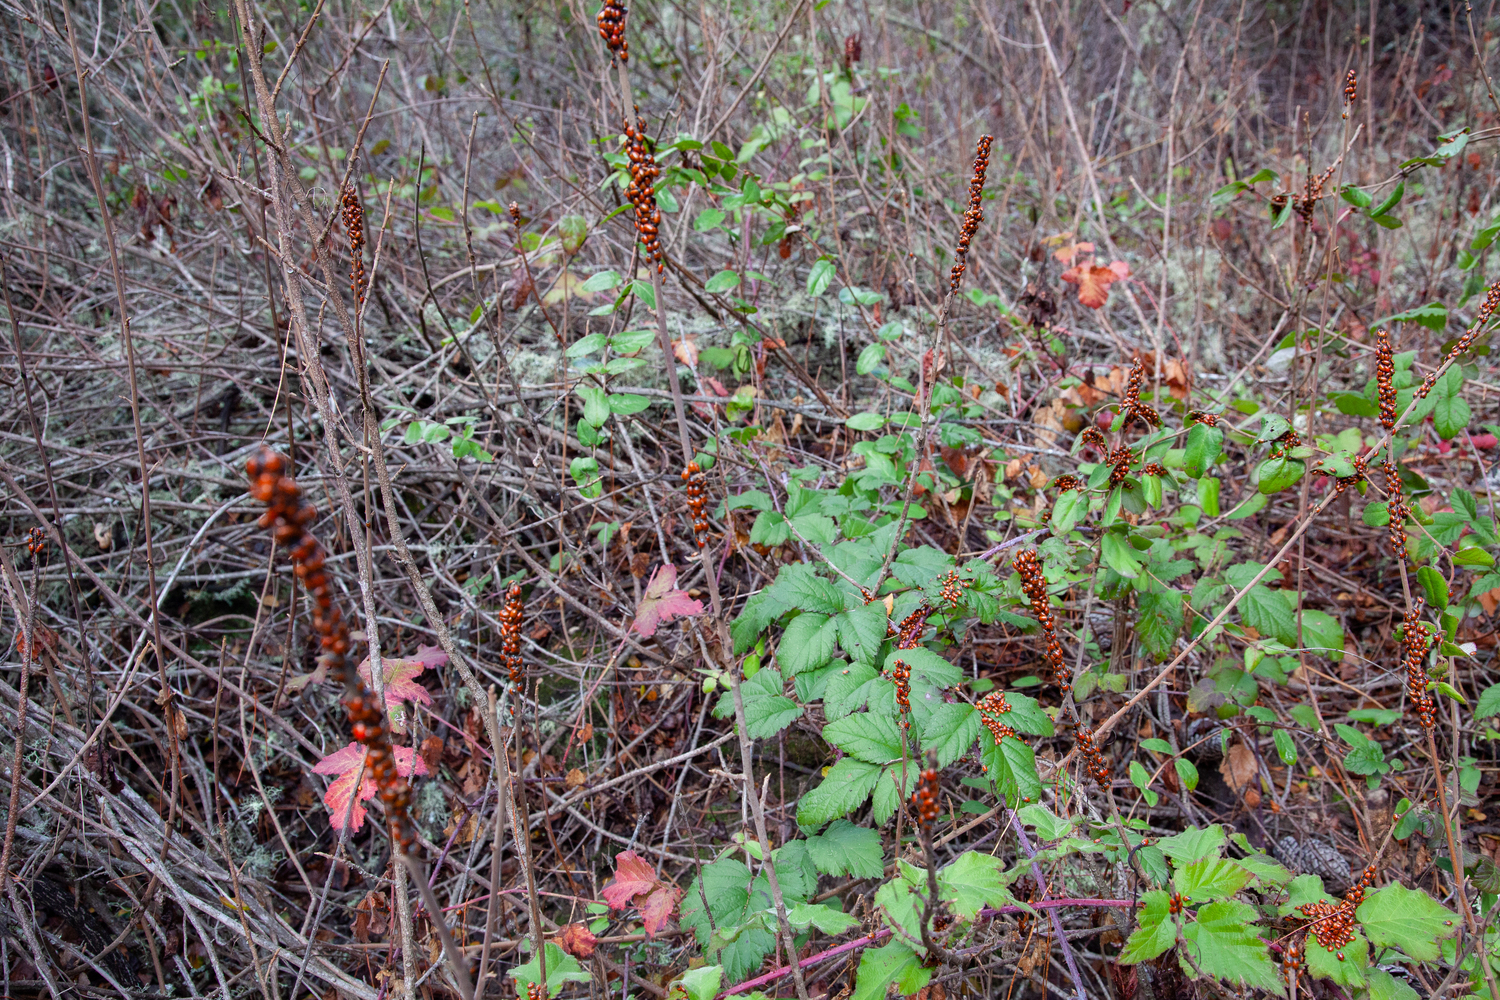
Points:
[1265,870]
[862,631]
[1194,844]
[1302,890]
[880,967]
[972,881]
[866,736]
[1384,986]
[1225,943]
[1155,930]
[1321,633]
[809,642]
[1346,967]
[1160,621]
[1119,556]
[846,787]
[1210,878]
[848,850]
[562,969]
[767,710]
[950,732]
[824,918]
[1409,919]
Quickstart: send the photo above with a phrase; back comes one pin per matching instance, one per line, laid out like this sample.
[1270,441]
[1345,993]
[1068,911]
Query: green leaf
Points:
[1377,514]
[1265,870]
[1473,555]
[1160,621]
[972,881]
[880,967]
[1489,703]
[820,277]
[1203,446]
[701,983]
[1026,716]
[848,850]
[595,404]
[869,359]
[1409,919]
[1155,931]
[572,230]
[1354,405]
[1119,556]
[1011,765]
[767,710]
[1391,201]
[1302,890]
[724,281]
[708,219]
[1434,315]
[1435,587]
[626,403]
[865,422]
[1321,632]
[1286,749]
[862,631]
[1345,967]
[1194,844]
[1451,414]
[1187,773]
[813,593]
[562,969]
[1384,986]
[950,731]
[824,918]
[1224,943]
[1210,878]
[1049,826]
[643,291]
[1277,474]
[809,642]
[1266,611]
[1067,510]
[847,785]
[866,736]
[603,281]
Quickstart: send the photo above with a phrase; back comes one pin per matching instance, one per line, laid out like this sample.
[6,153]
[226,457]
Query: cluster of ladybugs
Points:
[1134,408]
[1120,458]
[1398,509]
[974,214]
[642,190]
[36,542]
[925,798]
[1385,379]
[1351,91]
[1029,565]
[991,707]
[1481,319]
[354,222]
[1200,417]
[1415,641]
[288,515]
[611,22]
[900,675]
[697,501]
[510,633]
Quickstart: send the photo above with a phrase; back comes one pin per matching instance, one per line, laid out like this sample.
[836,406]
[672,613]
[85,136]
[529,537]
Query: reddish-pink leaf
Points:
[634,876]
[400,679]
[1067,253]
[577,940]
[1093,283]
[663,602]
[1121,269]
[658,906]
[346,764]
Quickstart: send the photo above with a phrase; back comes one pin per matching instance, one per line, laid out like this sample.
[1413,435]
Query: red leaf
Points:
[658,907]
[663,602]
[577,940]
[1093,283]
[634,876]
[1067,253]
[401,684]
[346,764]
